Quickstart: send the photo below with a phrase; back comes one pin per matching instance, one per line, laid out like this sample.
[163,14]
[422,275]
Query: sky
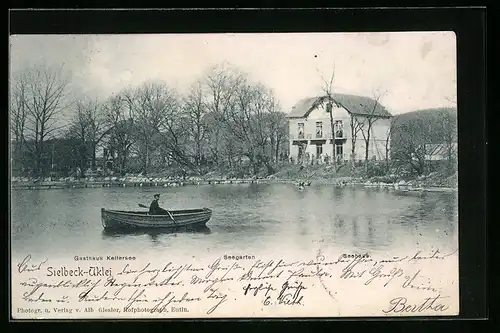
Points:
[416,70]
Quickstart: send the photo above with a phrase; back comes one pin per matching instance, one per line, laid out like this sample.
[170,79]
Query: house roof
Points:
[354,104]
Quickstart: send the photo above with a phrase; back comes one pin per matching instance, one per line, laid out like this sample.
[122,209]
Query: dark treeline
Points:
[225,122]
[418,136]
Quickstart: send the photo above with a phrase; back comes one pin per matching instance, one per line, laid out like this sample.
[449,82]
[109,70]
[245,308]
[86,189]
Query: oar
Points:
[144,206]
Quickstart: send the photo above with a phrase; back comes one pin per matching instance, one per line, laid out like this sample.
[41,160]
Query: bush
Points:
[384,179]
[376,168]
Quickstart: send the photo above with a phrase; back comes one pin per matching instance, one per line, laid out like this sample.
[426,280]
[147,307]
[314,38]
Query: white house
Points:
[311,134]
[440,151]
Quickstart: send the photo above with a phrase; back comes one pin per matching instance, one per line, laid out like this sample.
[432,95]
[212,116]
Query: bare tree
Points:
[121,132]
[328,90]
[79,131]
[45,97]
[160,121]
[448,130]
[196,110]
[410,146]
[249,122]
[246,115]
[98,128]
[268,125]
[278,132]
[387,141]
[147,107]
[422,139]
[221,83]
[89,112]
[238,120]
[448,122]
[355,126]
[18,115]
[370,119]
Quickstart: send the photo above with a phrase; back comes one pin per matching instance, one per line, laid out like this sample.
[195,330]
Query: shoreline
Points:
[339,182]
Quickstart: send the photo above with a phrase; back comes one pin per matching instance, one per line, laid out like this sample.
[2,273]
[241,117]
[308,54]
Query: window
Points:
[339,129]
[301,130]
[301,152]
[319,150]
[319,129]
[339,151]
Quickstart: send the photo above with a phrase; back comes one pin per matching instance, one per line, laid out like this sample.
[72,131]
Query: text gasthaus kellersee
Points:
[102,258]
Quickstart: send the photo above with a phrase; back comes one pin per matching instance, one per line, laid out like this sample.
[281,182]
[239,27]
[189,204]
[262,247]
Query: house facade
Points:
[440,151]
[310,131]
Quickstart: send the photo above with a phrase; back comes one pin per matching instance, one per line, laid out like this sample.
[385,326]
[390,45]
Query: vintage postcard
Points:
[268,175]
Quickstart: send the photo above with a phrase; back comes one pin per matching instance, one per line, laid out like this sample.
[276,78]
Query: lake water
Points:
[247,219]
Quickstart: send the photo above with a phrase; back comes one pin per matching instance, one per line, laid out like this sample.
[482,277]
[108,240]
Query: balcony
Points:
[301,137]
[298,137]
[340,136]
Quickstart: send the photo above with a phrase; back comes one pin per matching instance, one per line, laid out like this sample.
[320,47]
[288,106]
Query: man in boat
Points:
[154,208]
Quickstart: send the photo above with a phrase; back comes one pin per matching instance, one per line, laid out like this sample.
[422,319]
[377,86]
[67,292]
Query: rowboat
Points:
[190,218]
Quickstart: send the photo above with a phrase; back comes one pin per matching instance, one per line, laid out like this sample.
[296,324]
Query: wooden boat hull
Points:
[193,218]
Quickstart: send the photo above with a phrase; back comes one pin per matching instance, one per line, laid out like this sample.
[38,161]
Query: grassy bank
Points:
[327,174]
[316,174]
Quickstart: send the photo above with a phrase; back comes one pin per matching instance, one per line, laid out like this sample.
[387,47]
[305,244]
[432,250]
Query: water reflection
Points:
[407,193]
[355,232]
[246,217]
[338,193]
[371,230]
[153,233]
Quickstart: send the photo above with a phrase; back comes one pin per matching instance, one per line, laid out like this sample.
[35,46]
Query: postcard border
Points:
[469,26]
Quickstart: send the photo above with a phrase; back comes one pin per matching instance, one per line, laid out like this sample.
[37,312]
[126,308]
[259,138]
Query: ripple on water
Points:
[246,217]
